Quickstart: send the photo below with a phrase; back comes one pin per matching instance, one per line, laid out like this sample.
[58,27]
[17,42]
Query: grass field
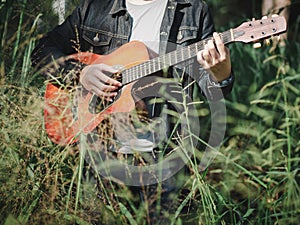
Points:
[253,180]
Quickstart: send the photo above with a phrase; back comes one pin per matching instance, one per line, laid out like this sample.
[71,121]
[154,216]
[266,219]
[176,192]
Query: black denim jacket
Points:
[102,26]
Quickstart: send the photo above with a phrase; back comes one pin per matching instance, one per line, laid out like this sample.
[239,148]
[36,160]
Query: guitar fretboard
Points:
[172,58]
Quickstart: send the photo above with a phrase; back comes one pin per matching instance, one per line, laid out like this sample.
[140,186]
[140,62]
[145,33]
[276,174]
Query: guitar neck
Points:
[247,32]
[172,58]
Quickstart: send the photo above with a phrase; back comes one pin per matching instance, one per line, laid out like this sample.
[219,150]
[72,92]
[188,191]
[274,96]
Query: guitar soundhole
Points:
[98,104]
[117,76]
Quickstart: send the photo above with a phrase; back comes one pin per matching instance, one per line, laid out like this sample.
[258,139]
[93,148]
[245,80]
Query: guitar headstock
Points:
[256,30]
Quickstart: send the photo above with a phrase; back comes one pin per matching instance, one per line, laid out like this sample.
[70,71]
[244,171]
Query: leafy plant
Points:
[253,180]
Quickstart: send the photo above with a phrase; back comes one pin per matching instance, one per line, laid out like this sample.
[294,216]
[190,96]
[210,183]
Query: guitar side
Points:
[61,126]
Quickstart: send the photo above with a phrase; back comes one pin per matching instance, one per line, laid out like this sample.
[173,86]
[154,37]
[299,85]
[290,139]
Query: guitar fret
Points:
[150,68]
[167,61]
[200,46]
[173,58]
[142,71]
[170,59]
[160,63]
[179,56]
[197,47]
[124,78]
[135,74]
[154,65]
[160,66]
[132,74]
[157,65]
[182,54]
[189,51]
[147,68]
[164,62]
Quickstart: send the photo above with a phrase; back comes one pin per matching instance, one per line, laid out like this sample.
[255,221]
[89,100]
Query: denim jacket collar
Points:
[120,5]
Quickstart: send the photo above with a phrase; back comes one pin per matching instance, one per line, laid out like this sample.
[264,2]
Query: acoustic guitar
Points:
[63,125]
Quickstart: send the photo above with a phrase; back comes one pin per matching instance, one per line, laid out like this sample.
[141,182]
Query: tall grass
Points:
[253,180]
[262,152]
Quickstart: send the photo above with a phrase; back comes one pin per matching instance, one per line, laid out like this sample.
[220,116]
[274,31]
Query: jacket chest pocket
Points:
[186,35]
[97,41]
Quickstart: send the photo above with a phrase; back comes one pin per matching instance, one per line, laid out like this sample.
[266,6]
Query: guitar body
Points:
[60,123]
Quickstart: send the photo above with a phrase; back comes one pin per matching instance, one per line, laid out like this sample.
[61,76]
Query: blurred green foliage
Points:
[254,180]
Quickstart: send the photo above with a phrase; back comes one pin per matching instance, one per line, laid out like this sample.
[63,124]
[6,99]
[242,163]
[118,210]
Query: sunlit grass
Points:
[253,180]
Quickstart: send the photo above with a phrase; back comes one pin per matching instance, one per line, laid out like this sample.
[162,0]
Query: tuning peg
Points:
[278,38]
[275,15]
[267,42]
[257,45]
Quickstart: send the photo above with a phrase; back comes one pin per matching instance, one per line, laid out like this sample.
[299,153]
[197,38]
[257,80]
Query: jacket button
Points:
[179,36]
[96,38]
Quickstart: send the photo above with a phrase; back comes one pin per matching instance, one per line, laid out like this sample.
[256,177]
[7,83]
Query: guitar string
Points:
[164,61]
[161,62]
[180,54]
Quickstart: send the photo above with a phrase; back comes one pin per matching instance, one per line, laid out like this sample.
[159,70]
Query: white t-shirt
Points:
[147,19]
